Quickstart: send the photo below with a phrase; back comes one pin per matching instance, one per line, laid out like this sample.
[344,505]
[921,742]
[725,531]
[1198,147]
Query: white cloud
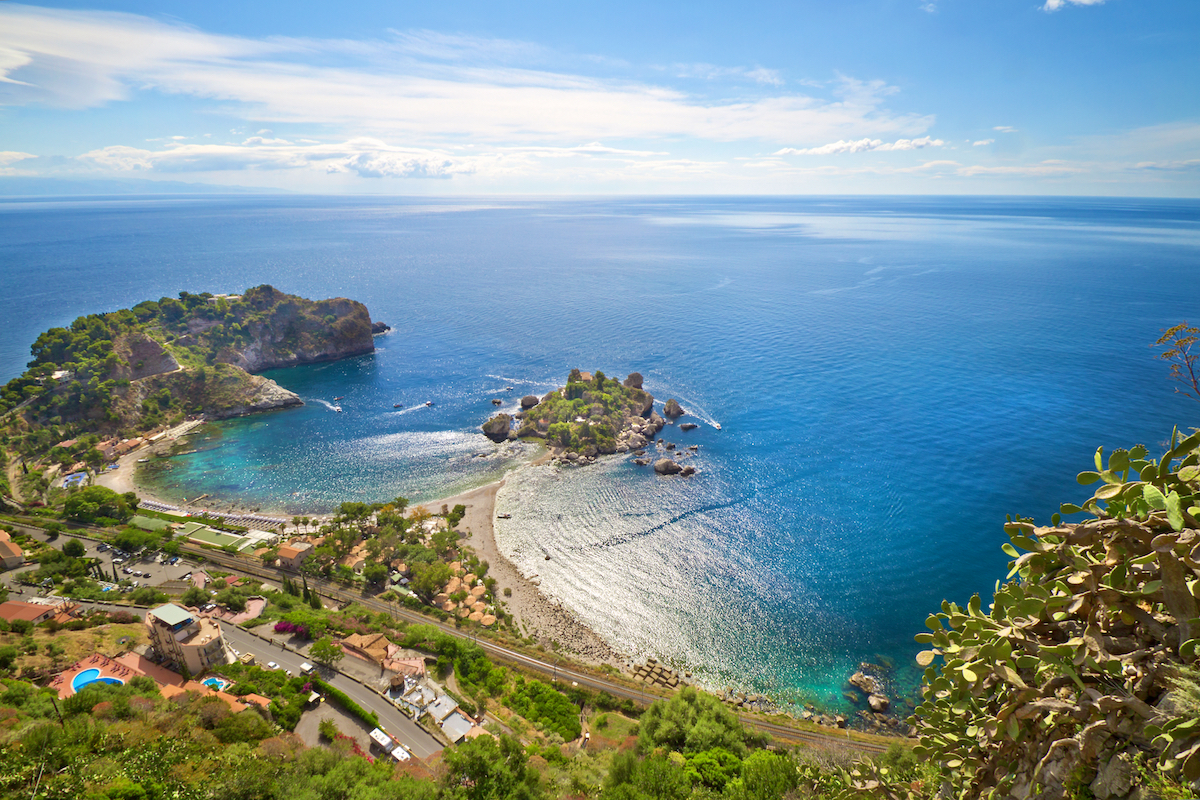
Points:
[760,75]
[1044,169]
[366,157]
[1055,5]
[983,142]
[1005,129]
[417,87]
[929,7]
[12,156]
[1190,165]
[861,146]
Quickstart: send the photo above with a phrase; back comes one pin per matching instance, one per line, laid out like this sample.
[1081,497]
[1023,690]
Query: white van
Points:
[307,669]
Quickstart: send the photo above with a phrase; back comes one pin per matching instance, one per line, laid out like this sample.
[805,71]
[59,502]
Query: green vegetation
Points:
[135,370]
[545,707]
[1082,646]
[585,416]
[97,504]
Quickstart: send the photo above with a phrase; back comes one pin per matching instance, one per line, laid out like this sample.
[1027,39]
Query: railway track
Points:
[641,695]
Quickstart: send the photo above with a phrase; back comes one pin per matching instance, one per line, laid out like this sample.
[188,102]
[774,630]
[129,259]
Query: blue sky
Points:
[1086,97]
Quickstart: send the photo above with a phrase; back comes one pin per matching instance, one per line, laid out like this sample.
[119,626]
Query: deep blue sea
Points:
[891,376]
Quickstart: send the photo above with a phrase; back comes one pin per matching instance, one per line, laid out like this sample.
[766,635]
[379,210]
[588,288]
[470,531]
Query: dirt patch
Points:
[307,730]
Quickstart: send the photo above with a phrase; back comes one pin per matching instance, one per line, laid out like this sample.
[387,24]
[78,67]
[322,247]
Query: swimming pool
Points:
[92,676]
[220,684]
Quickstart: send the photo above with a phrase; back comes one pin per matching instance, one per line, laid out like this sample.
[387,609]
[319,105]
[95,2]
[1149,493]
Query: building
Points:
[11,556]
[186,638]
[291,556]
[14,610]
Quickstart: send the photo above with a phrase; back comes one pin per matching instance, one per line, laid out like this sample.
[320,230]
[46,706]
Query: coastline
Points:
[536,614]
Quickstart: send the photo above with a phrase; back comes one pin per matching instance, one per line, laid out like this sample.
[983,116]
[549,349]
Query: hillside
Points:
[132,370]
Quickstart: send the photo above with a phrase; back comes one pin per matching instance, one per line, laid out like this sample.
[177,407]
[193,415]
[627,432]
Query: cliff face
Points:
[218,392]
[283,330]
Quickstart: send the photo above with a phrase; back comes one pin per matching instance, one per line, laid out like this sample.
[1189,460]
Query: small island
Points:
[592,415]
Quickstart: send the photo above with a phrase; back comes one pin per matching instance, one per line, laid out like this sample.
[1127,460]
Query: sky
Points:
[1032,97]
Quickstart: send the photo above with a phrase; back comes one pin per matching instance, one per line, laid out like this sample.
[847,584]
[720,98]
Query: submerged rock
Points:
[688,426]
[665,466]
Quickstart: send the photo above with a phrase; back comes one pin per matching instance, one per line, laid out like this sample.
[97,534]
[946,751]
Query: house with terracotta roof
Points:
[11,556]
[33,612]
[292,555]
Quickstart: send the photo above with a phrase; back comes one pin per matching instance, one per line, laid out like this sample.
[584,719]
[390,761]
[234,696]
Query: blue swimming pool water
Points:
[89,676]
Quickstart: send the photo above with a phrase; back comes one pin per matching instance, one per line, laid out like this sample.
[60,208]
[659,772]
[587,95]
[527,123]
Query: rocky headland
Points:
[193,356]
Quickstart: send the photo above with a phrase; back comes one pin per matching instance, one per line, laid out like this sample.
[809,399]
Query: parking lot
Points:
[144,569]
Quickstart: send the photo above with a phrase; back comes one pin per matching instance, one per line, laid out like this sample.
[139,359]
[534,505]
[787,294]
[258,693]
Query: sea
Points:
[891,377]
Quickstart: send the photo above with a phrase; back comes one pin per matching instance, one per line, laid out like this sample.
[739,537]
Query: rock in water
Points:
[379,327]
[529,401]
[634,381]
[672,409]
[498,427]
[879,703]
[665,466]
[688,426]
[687,471]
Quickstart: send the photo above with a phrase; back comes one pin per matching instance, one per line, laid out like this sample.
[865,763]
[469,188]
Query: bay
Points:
[892,376]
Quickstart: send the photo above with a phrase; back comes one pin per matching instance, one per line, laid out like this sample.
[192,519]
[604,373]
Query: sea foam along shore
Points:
[536,614]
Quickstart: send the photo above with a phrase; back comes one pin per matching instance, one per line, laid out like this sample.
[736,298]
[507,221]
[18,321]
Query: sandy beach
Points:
[536,614]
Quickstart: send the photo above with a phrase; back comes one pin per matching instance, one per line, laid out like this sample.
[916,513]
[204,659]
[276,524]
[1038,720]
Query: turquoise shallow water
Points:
[892,376]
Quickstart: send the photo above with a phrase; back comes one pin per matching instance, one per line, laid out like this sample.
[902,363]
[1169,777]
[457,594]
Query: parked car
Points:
[272,665]
[101,548]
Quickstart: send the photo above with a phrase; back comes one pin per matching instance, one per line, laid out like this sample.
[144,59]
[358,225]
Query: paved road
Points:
[552,670]
[420,742]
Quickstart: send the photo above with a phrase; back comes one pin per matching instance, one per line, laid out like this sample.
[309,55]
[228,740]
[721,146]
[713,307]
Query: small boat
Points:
[343,397]
[504,516]
[338,409]
[717,425]
[397,405]
[143,460]
[428,402]
[508,388]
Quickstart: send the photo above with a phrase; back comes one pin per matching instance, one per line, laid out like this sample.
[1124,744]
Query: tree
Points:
[94,502]
[428,579]
[691,722]
[1178,342]
[767,776]
[487,769]
[375,572]
[231,599]
[325,651]
[74,549]
[194,597]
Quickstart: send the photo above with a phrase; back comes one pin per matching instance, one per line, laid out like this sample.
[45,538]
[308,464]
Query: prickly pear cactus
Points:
[1071,667]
